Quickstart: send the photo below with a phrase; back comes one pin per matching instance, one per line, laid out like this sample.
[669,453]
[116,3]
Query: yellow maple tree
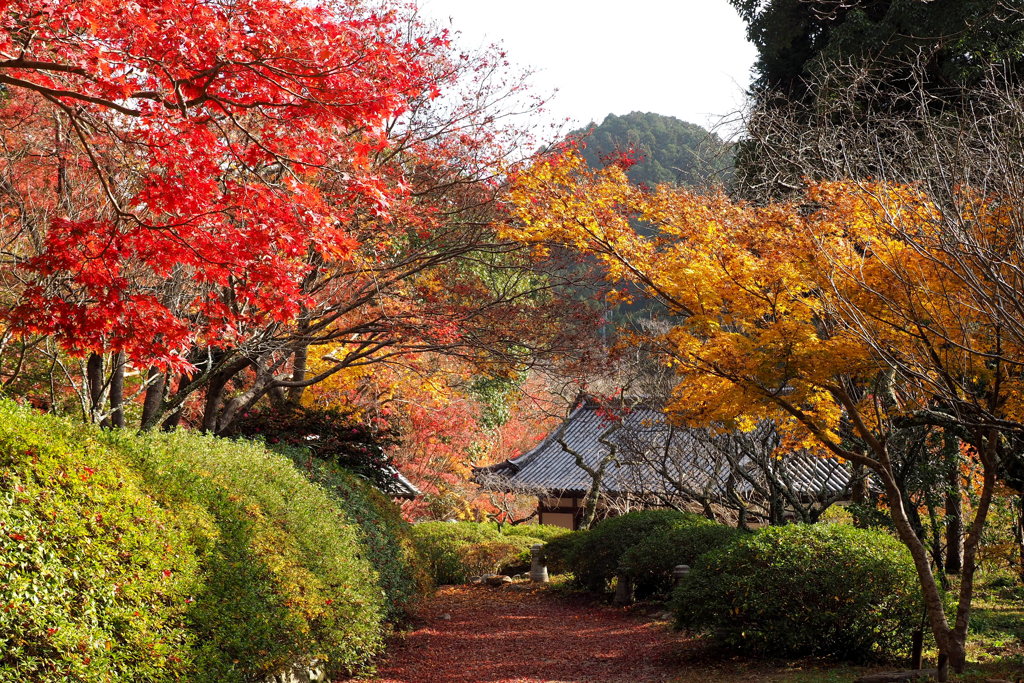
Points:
[857,311]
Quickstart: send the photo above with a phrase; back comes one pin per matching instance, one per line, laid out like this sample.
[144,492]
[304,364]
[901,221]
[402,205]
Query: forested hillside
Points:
[666,149]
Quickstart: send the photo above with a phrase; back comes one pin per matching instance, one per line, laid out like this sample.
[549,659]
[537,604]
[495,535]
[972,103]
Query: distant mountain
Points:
[668,150]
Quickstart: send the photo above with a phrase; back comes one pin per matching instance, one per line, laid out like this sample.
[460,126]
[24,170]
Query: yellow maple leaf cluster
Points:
[778,310]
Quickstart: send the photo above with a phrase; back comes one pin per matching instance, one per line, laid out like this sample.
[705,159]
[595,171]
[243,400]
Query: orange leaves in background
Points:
[428,401]
[775,307]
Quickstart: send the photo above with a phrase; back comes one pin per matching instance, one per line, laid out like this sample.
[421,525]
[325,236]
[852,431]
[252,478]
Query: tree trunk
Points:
[154,399]
[954,506]
[298,374]
[214,402]
[954,525]
[741,520]
[94,381]
[173,419]
[860,489]
[117,392]
[859,494]
[1018,533]
[944,636]
[590,506]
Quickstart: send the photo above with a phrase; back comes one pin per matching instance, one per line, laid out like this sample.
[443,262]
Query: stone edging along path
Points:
[523,634]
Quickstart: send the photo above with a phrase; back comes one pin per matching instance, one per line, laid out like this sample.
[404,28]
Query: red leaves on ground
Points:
[524,634]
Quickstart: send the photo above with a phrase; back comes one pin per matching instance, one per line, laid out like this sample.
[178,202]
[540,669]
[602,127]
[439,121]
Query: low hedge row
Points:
[454,551]
[96,578]
[285,574]
[544,532]
[182,557]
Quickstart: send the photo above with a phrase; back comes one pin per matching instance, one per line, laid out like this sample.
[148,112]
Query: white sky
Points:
[683,58]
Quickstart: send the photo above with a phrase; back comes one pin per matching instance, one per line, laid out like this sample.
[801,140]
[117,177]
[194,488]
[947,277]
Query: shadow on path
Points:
[524,634]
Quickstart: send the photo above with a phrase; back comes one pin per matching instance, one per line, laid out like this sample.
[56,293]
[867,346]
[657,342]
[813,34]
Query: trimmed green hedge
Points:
[438,546]
[649,563]
[596,554]
[454,551]
[178,556]
[824,590]
[285,573]
[386,536]
[545,532]
[96,579]
[559,551]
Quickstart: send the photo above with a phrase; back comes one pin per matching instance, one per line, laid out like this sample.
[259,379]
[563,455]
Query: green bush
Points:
[454,551]
[181,557]
[596,555]
[487,557]
[438,545]
[520,561]
[559,550]
[96,580]
[544,532]
[649,563]
[824,590]
[386,536]
[285,574]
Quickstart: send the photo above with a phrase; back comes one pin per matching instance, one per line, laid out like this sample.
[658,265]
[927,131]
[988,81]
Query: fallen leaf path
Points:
[523,634]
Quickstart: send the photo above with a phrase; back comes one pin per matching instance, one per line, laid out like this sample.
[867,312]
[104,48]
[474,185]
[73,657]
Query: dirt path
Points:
[474,634]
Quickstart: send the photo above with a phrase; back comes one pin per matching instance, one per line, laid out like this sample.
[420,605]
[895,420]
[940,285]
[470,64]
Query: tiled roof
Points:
[399,486]
[644,444]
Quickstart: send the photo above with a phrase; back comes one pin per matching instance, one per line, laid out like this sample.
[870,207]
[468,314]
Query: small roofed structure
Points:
[631,456]
[399,486]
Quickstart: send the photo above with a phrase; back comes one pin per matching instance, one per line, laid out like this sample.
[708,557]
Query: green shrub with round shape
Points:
[559,550]
[487,557]
[519,561]
[285,575]
[545,532]
[439,544]
[596,556]
[386,536]
[797,590]
[96,579]
[454,551]
[650,562]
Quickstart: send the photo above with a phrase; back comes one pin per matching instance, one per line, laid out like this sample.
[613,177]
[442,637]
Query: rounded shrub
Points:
[385,535]
[284,575]
[596,555]
[650,562]
[168,557]
[824,590]
[544,532]
[560,549]
[454,551]
[520,560]
[96,579]
[488,557]
[439,546]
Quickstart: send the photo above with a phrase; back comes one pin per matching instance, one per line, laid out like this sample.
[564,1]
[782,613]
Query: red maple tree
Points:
[209,129]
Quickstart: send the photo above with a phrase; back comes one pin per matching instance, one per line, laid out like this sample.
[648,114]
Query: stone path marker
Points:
[538,568]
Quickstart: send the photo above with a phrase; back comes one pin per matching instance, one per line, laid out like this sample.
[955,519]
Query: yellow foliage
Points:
[778,308]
